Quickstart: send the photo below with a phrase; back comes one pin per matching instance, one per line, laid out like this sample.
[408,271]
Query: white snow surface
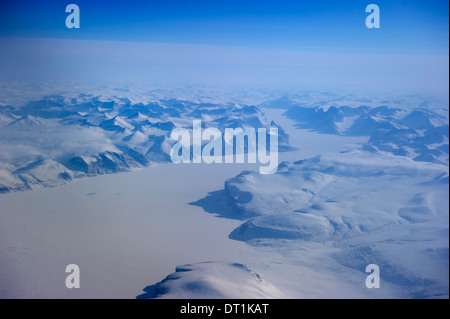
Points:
[353,193]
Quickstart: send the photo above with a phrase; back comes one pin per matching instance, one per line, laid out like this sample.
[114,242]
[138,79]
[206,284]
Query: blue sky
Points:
[406,24]
[297,44]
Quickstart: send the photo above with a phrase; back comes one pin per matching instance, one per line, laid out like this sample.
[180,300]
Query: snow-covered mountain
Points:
[419,133]
[53,140]
[357,208]
[309,230]
[213,280]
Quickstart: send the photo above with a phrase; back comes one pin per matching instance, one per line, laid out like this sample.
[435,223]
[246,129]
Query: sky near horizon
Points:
[318,43]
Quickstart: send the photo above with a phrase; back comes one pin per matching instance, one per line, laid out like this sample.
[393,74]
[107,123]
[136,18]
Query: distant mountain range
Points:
[420,133]
[53,140]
